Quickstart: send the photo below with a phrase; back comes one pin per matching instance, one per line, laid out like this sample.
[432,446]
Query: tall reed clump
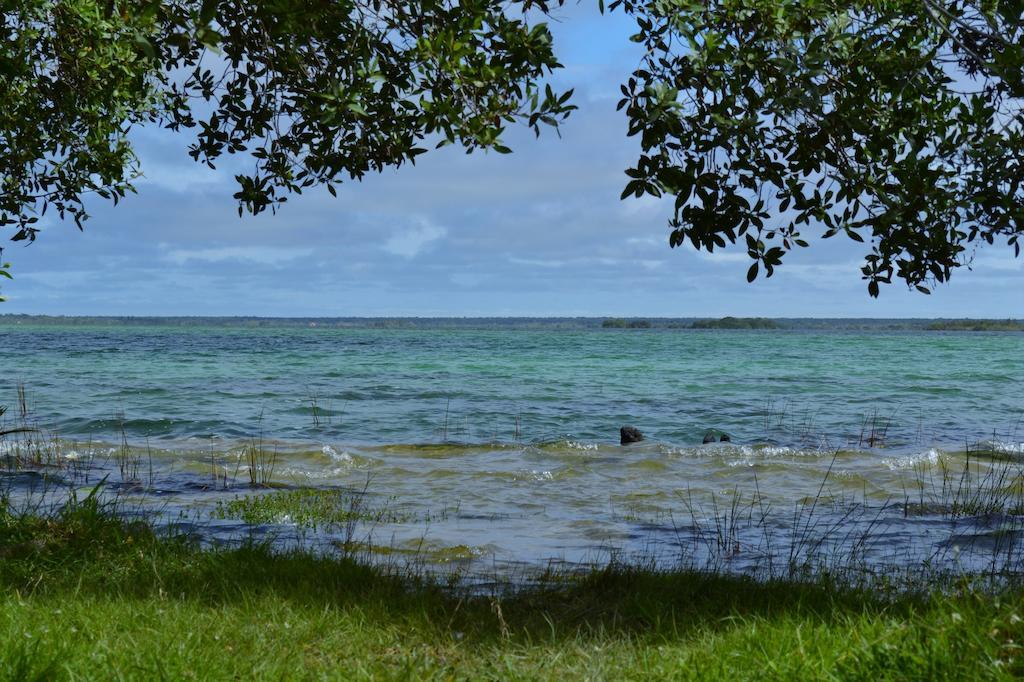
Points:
[25,445]
[959,520]
[987,485]
[874,430]
[321,414]
[128,461]
[260,462]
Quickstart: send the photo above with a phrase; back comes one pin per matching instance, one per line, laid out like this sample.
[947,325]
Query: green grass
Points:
[87,596]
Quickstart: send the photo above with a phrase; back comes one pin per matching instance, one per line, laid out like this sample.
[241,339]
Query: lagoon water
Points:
[500,446]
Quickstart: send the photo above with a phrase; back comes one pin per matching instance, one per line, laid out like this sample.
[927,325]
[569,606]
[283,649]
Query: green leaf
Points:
[145,46]
[208,11]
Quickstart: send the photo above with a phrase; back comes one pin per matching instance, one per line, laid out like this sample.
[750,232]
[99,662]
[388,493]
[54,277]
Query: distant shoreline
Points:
[610,324]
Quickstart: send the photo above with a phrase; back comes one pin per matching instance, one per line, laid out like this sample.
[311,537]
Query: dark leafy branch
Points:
[897,124]
[313,91]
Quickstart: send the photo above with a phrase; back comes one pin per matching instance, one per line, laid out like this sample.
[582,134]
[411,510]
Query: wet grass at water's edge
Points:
[85,593]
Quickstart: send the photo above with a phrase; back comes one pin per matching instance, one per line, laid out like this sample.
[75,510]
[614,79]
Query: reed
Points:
[259,460]
[873,430]
[321,415]
[444,431]
[25,444]
[260,463]
[128,460]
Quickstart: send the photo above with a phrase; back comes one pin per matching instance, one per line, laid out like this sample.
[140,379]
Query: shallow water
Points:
[500,448]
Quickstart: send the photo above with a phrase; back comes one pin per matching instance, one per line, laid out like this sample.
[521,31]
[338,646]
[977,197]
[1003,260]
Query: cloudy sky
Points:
[538,232]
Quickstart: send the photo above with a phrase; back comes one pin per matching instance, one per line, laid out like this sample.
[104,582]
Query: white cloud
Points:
[536,262]
[997,258]
[467,279]
[413,241]
[648,264]
[262,255]
[645,206]
[722,257]
[59,279]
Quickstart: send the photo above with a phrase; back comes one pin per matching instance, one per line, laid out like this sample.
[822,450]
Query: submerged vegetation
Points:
[307,507]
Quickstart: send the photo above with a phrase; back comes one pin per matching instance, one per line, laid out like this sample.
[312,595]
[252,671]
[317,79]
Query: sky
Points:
[540,232]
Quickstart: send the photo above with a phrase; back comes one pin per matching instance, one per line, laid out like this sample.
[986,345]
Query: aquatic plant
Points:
[873,430]
[260,461]
[314,508]
[24,444]
[320,415]
[984,487]
[840,536]
[128,461]
[444,434]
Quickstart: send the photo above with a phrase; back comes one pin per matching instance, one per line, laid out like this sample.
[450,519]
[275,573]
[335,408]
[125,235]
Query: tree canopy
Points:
[895,123]
[314,91]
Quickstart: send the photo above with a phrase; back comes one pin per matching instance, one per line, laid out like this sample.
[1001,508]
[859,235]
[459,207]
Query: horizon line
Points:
[479,317]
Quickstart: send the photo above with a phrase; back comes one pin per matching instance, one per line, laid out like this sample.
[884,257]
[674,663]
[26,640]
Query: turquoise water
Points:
[507,440]
[391,386]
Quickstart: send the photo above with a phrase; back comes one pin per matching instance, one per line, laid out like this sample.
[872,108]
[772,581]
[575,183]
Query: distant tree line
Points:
[737,323]
[977,325]
[619,323]
[519,323]
[723,323]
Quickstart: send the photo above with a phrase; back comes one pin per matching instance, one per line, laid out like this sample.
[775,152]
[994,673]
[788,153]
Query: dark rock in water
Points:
[630,434]
[725,438]
[709,438]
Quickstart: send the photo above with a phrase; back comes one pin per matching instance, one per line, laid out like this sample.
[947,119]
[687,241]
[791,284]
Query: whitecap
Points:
[1007,447]
[342,456]
[930,458]
[776,451]
[533,475]
[317,474]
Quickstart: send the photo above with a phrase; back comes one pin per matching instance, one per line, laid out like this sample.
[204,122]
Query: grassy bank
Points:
[85,595]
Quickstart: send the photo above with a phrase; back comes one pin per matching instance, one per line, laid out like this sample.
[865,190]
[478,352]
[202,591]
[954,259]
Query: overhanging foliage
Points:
[896,123]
